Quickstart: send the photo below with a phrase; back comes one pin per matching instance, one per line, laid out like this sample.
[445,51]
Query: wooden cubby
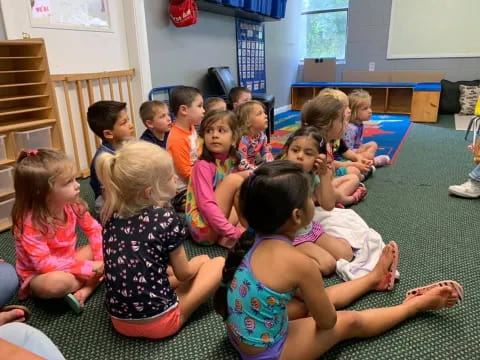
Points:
[386,100]
[27,102]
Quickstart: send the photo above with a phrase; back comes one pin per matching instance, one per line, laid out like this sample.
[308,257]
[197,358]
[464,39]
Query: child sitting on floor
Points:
[109,121]
[210,214]
[183,145]
[361,105]
[253,148]
[156,118]
[46,211]
[307,148]
[215,103]
[145,297]
[272,296]
[327,114]
[238,96]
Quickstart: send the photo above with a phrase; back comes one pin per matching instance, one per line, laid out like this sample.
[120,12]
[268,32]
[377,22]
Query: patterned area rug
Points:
[388,131]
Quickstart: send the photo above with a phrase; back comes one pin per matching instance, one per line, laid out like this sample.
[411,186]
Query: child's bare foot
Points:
[84,292]
[379,274]
[434,299]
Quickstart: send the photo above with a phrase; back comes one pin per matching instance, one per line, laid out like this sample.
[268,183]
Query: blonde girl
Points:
[253,148]
[46,211]
[307,148]
[210,213]
[264,277]
[327,114]
[361,105]
[145,297]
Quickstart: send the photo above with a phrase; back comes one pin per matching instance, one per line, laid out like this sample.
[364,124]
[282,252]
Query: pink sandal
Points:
[359,194]
[423,289]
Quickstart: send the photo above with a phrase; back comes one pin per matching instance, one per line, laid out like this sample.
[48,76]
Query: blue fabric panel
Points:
[352,84]
[428,87]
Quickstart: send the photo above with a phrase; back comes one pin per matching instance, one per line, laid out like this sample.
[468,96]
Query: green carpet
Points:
[407,202]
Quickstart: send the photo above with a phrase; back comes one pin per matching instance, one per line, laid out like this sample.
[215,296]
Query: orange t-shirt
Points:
[184,148]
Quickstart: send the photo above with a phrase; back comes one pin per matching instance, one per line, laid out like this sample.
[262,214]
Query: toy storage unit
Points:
[419,100]
[28,111]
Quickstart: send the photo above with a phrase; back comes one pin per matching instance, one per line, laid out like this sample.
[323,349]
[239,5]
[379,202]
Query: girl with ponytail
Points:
[272,296]
[145,296]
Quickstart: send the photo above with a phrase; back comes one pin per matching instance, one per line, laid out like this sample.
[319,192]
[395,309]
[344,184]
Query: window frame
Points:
[314,12]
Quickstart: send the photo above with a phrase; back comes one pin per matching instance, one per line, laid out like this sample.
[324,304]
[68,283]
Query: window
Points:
[325,28]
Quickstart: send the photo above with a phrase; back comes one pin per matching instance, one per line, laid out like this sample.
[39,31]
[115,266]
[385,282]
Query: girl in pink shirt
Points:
[210,212]
[46,211]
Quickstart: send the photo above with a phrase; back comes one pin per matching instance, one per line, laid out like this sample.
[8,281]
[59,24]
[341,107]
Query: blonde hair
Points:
[321,112]
[356,98]
[127,174]
[244,112]
[35,175]
[336,93]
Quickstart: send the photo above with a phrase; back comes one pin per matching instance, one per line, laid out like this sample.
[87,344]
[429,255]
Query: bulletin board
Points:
[251,55]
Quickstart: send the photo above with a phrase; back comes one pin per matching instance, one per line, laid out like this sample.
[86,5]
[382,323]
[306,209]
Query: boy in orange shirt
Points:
[187,104]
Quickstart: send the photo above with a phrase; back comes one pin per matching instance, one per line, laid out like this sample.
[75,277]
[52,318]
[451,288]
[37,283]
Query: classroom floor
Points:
[407,202]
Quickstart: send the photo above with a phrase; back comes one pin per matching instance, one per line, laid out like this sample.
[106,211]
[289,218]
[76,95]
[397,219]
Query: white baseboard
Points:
[283,109]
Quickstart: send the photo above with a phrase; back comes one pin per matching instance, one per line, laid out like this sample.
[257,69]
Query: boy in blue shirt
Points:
[156,118]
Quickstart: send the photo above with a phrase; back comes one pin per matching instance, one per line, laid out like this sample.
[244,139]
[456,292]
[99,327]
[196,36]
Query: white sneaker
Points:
[469,189]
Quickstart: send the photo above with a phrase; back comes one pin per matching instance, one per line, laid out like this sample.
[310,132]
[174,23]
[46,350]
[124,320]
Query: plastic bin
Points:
[33,139]
[278,8]
[6,211]
[6,180]
[3,150]
[234,3]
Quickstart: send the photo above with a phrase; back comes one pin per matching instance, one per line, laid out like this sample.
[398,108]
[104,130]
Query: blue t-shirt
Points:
[94,182]
[149,136]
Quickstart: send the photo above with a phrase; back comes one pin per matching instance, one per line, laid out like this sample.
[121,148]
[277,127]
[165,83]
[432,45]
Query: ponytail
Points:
[234,258]
[104,168]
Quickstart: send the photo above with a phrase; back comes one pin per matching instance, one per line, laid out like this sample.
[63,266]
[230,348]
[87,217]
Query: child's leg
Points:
[226,191]
[55,284]
[322,258]
[89,286]
[368,150]
[337,247]
[193,293]
[306,341]
[344,187]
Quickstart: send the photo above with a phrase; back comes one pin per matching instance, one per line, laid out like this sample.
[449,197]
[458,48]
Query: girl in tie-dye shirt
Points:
[46,211]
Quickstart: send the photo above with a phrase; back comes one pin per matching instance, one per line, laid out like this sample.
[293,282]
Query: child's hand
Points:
[98,268]
[361,166]
[367,162]
[321,164]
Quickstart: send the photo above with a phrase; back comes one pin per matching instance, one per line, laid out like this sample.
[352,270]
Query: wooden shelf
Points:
[22,84]
[27,101]
[22,110]
[25,124]
[21,97]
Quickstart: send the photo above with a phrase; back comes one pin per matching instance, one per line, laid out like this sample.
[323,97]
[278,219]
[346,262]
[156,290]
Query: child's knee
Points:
[353,171]
[327,265]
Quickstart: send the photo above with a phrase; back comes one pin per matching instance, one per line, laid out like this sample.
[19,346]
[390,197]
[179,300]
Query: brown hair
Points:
[182,95]
[235,93]
[244,112]
[211,102]
[321,112]
[35,175]
[211,118]
[103,115]
[356,98]
[147,109]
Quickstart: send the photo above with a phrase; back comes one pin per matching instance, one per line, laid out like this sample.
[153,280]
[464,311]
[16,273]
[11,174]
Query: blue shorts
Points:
[273,352]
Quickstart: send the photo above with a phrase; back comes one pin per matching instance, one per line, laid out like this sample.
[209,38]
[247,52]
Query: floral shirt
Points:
[253,151]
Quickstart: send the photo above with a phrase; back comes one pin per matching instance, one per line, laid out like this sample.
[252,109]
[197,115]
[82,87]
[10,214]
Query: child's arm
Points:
[180,153]
[312,288]
[350,155]
[35,246]
[265,150]
[324,192]
[202,184]
[92,229]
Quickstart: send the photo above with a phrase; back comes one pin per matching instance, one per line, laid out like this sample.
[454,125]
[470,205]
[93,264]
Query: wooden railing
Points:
[94,85]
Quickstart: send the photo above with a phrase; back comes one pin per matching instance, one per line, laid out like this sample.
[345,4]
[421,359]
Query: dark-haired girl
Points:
[210,214]
[264,271]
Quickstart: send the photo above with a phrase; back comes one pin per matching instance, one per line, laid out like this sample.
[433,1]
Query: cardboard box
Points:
[320,70]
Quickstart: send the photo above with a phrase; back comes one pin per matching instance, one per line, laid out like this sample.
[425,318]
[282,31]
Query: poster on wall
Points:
[92,15]
[251,55]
